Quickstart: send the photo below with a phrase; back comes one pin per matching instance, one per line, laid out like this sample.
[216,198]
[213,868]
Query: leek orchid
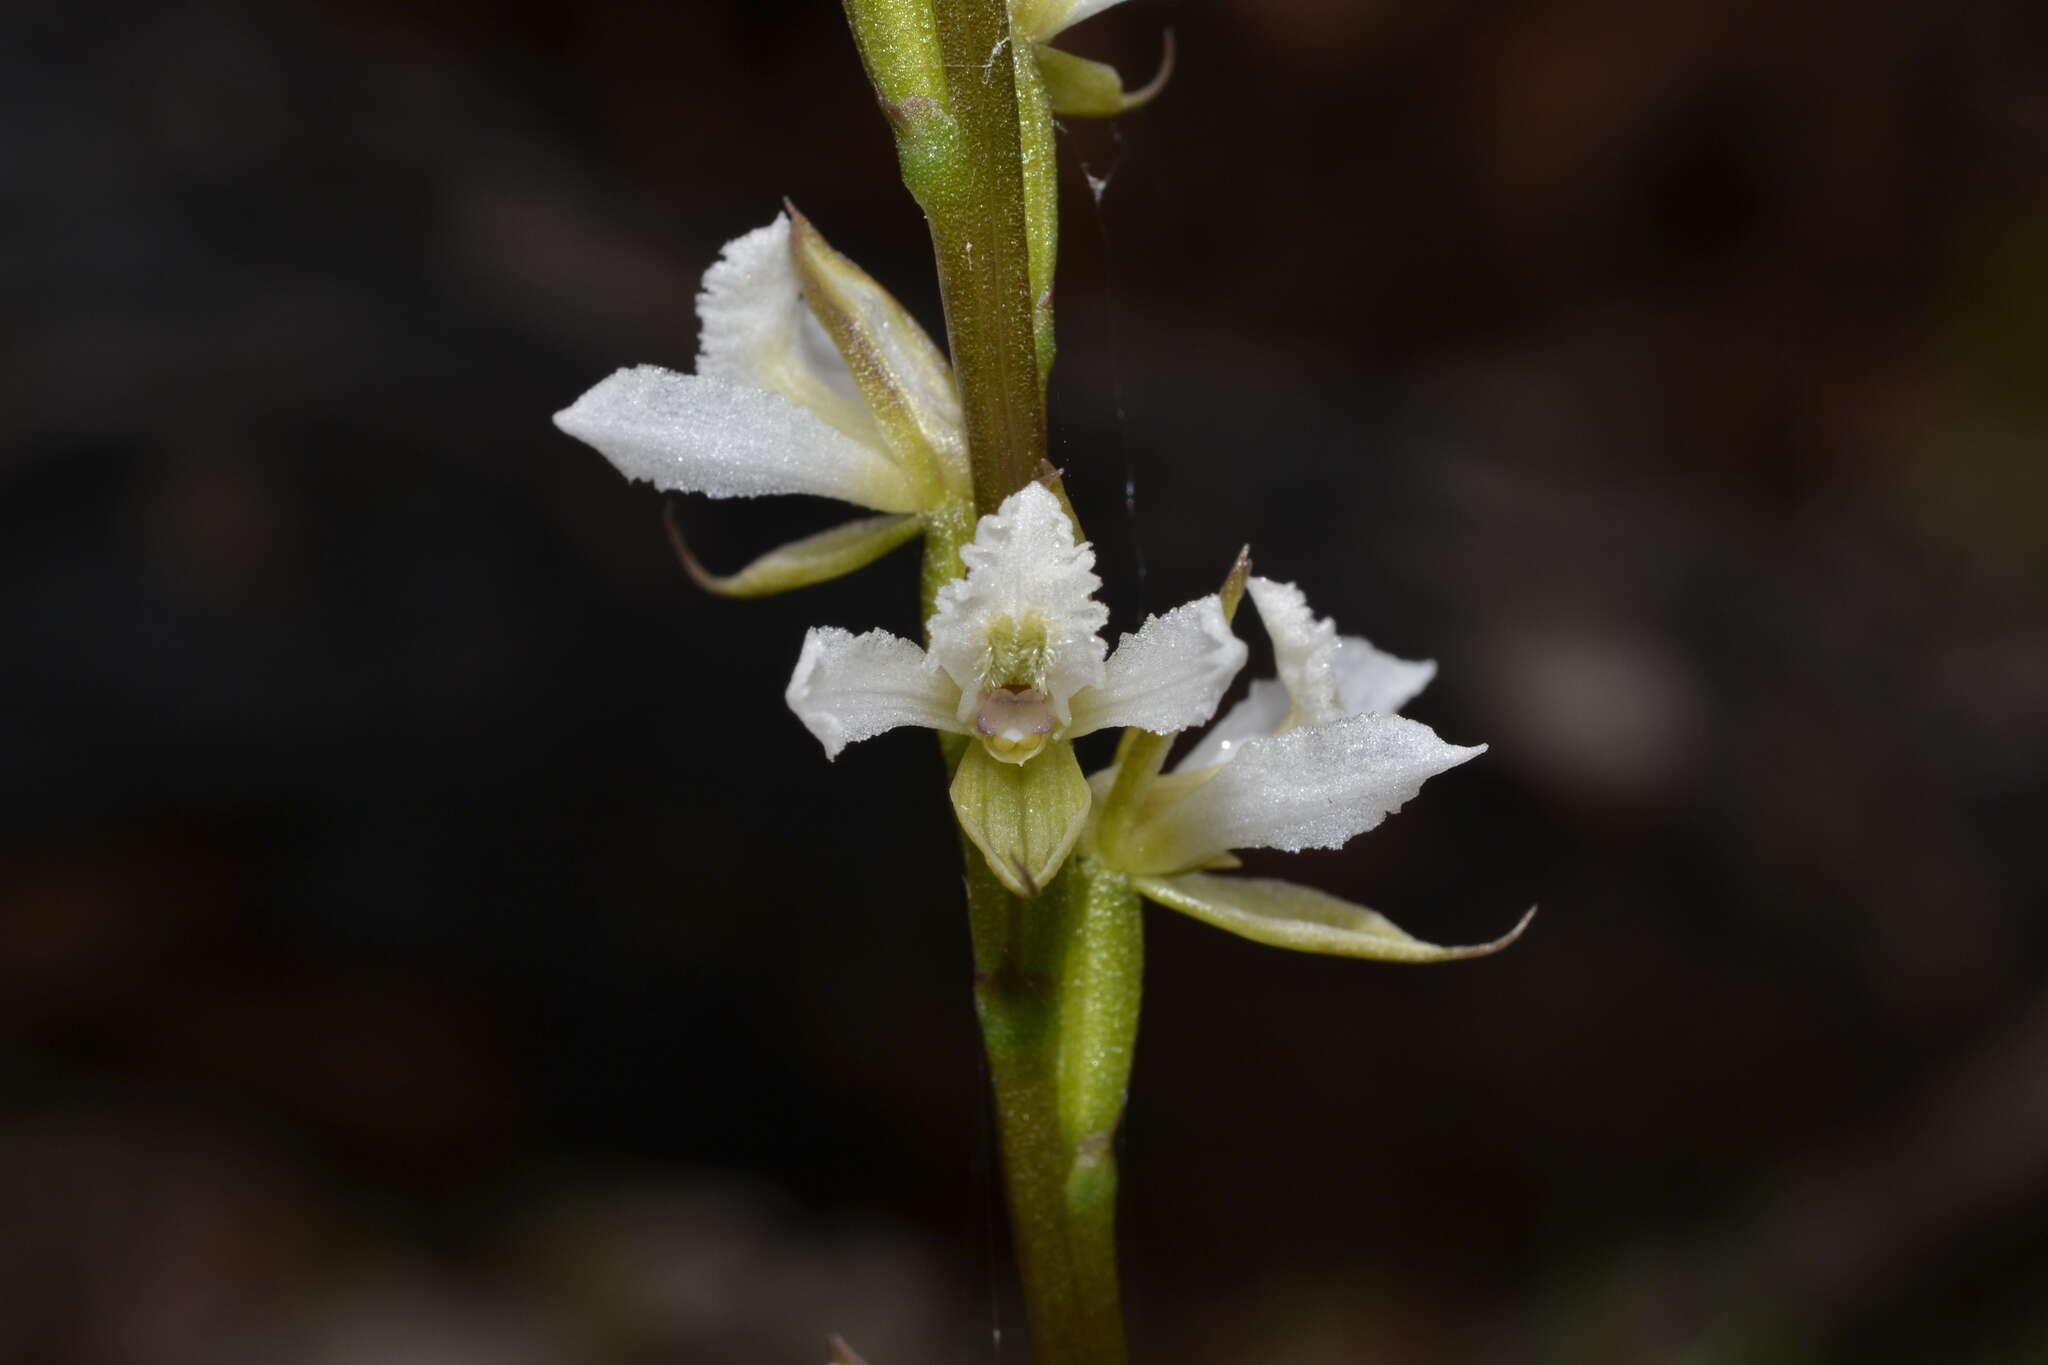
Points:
[810,379]
[1017,661]
[1307,760]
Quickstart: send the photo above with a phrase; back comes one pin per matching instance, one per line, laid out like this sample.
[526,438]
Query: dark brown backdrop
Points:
[425,936]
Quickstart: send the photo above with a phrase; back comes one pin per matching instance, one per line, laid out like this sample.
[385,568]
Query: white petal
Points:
[1049,17]
[1304,647]
[1373,680]
[757,330]
[713,436]
[1168,675]
[1261,713]
[851,687]
[1313,787]
[1025,566]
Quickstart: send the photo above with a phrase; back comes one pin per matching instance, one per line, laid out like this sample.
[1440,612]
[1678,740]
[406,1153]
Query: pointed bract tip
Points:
[842,1354]
[1485,950]
[1232,591]
[1505,940]
[672,522]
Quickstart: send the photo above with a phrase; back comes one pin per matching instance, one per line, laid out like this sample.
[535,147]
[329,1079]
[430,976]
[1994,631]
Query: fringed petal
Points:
[1166,676]
[849,687]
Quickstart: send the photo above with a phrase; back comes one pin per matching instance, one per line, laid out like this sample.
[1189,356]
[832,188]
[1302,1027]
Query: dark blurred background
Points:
[426,938]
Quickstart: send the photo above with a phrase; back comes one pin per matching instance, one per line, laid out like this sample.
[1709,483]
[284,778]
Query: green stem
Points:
[979,231]
[1059,1077]
[1055,979]
[947,75]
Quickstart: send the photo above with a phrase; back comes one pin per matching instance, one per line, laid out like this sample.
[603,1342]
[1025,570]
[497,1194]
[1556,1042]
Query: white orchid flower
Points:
[810,379]
[1310,759]
[1017,662]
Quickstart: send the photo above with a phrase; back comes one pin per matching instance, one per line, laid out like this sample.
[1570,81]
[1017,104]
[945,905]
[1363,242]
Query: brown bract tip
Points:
[1232,591]
[699,575]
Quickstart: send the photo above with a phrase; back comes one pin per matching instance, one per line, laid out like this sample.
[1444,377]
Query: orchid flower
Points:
[1017,662]
[1307,760]
[810,379]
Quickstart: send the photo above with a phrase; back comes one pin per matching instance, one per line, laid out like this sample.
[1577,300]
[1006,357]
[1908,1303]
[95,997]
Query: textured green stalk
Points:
[1056,984]
[978,229]
[1034,962]
[946,72]
[1055,978]
[1101,973]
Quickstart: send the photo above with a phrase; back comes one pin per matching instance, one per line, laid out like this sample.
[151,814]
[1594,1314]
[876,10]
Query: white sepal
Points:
[756,329]
[1313,787]
[1262,712]
[698,435]
[1372,680]
[1027,577]
[1166,676]
[1304,650]
[851,687]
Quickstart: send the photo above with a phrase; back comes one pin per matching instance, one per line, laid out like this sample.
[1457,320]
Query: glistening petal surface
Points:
[1304,649]
[1370,679]
[757,330]
[1167,675]
[1262,712]
[1024,566]
[729,440]
[849,687]
[1314,787]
